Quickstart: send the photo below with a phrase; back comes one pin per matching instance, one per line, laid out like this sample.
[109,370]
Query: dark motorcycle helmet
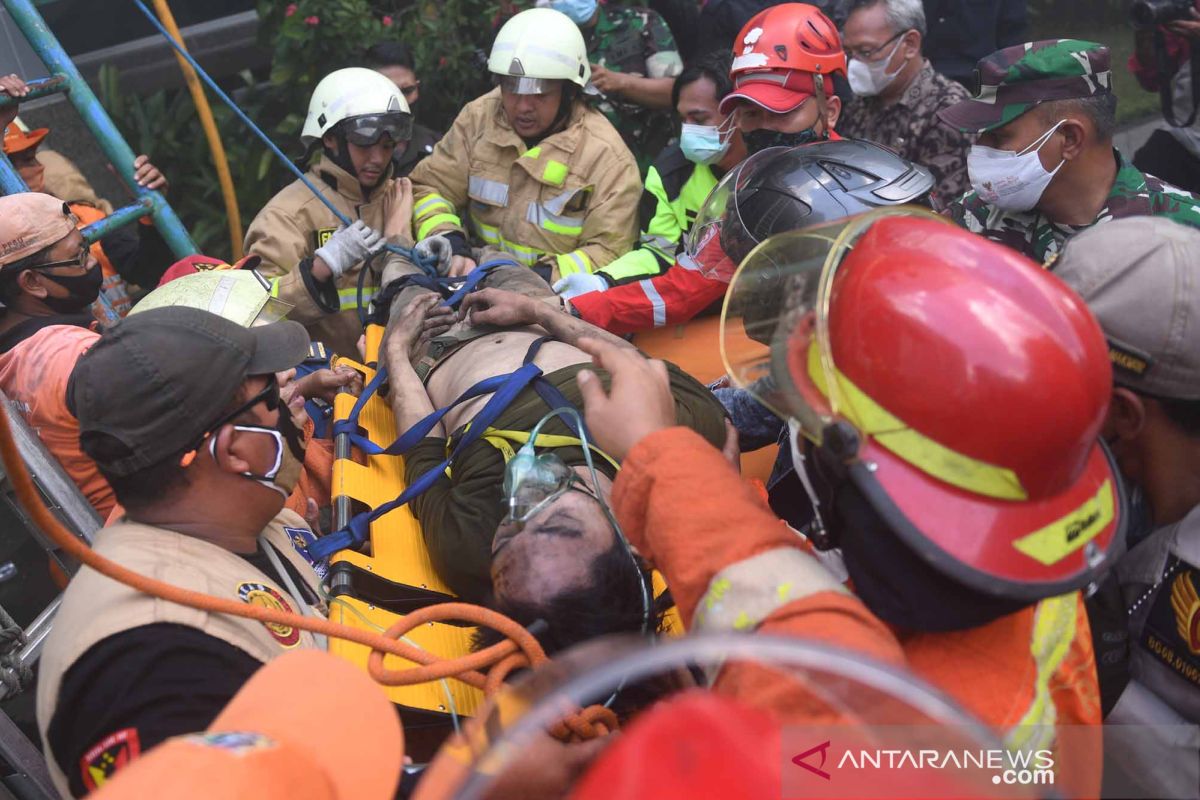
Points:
[787,188]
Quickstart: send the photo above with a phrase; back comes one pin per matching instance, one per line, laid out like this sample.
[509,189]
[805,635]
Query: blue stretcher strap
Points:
[358,529]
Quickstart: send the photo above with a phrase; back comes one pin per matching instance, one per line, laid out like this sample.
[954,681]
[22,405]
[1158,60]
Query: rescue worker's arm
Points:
[660,237]
[672,298]
[609,227]
[146,685]
[440,183]
[730,563]
[278,240]
[637,89]
[509,309]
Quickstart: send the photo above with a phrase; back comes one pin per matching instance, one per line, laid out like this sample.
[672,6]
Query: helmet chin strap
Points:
[342,156]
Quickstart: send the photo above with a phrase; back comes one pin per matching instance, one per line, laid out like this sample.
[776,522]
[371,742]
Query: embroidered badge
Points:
[107,756]
[259,594]
[322,235]
[301,539]
[1172,630]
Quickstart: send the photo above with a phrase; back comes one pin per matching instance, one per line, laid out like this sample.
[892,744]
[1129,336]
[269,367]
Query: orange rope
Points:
[521,649]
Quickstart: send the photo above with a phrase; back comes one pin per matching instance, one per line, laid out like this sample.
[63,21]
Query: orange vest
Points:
[34,375]
[1032,668]
[114,302]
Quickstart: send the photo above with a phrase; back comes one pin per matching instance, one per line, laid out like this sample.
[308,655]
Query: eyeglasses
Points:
[867,55]
[80,260]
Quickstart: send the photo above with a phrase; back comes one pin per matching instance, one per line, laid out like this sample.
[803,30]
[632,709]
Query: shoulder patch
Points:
[259,594]
[1172,630]
[108,755]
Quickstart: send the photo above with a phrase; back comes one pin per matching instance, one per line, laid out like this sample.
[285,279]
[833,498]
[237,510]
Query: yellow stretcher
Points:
[396,576]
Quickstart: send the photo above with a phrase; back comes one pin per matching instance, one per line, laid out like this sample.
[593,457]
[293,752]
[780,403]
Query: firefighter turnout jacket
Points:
[571,200]
[675,190]
[291,227]
[95,607]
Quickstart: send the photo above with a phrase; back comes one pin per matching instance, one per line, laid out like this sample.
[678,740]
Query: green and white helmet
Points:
[364,97]
[239,295]
[537,46]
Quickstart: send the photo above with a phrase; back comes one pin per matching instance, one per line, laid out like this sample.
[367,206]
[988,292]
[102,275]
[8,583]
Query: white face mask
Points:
[1011,181]
[869,78]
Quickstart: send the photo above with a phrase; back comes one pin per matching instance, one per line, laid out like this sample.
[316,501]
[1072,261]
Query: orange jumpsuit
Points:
[1000,671]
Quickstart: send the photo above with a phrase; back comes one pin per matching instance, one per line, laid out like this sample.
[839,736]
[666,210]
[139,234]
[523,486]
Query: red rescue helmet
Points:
[781,57]
[962,387]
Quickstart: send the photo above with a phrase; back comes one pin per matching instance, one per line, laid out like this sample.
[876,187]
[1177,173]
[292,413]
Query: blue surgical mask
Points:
[702,144]
[580,11]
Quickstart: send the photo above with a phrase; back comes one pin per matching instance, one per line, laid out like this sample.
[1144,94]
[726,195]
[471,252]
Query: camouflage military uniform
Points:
[910,127]
[634,41]
[1013,81]
[1133,194]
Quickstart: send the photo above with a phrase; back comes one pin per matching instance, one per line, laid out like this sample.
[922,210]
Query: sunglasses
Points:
[269,395]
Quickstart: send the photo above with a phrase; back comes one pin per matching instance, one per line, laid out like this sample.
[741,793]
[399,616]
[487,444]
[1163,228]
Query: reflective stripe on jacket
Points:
[571,198]
[294,224]
[675,190]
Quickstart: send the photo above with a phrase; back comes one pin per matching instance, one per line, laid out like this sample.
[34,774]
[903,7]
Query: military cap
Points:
[1011,81]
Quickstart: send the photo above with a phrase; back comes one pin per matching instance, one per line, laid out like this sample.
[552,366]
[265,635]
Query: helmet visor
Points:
[718,239]
[775,323]
[515,84]
[368,129]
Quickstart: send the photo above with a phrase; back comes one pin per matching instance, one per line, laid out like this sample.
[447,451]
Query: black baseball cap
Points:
[157,380]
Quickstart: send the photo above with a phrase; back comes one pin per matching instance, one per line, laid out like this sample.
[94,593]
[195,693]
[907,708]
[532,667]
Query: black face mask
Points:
[761,139]
[82,290]
[895,583]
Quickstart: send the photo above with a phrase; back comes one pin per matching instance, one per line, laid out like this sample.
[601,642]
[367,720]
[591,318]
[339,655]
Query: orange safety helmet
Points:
[16,140]
[961,386]
[781,57]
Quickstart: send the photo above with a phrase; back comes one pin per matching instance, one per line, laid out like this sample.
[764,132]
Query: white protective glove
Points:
[578,283]
[436,248]
[349,246]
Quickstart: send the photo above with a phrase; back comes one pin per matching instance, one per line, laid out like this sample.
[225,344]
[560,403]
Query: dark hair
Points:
[610,603]
[715,66]
[147,486]
[1101,109]
[9,273]
[1183,413]
[389,54]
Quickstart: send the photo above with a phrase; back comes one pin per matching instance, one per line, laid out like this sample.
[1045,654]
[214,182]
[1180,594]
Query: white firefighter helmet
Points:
[239,295]
[362,95]
[536,46]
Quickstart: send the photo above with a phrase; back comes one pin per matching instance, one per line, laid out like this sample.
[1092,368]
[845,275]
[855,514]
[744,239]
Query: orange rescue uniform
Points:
[1035,666]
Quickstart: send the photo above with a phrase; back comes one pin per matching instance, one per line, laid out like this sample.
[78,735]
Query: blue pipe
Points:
[118,219]
[44,43]
[39,87]
[10,179]
[425,264]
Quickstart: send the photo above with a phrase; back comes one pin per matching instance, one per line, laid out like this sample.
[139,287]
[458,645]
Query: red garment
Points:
[1178,52]
[668,299]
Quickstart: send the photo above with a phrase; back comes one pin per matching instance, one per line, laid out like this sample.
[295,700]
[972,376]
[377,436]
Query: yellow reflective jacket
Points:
[293,225]
[571,200]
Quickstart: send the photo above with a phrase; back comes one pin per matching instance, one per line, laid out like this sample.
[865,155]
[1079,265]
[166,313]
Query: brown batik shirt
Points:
[910,126]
